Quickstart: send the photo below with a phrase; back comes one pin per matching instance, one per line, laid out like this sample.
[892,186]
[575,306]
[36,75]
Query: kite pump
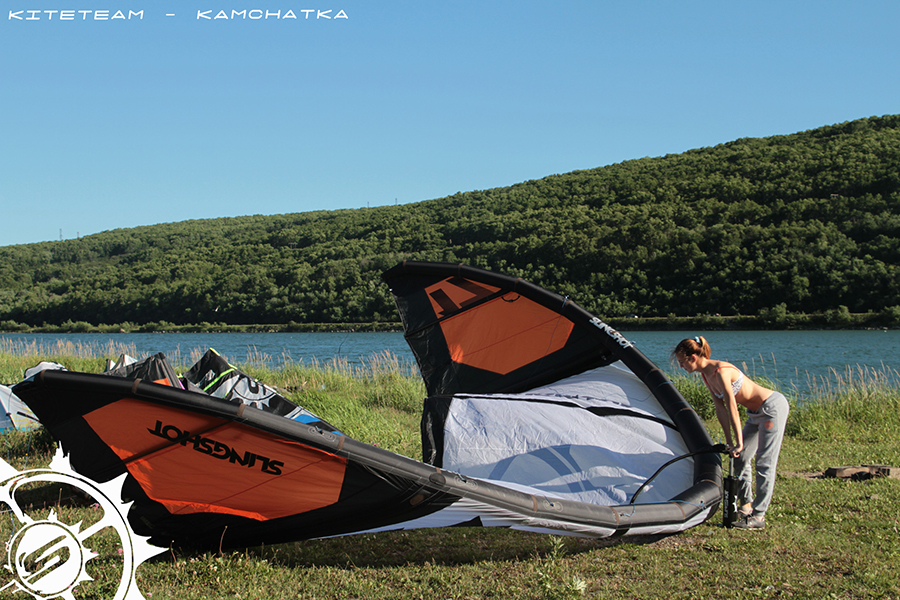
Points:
[730,490]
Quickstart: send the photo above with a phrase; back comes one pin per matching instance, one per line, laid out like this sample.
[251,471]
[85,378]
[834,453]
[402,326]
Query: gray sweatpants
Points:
[763,433]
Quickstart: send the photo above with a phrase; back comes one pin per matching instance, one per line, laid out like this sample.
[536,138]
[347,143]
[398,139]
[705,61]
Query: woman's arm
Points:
[722,414]
[730,419]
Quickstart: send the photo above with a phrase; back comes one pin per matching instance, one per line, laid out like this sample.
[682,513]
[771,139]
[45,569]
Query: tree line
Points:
[801,223]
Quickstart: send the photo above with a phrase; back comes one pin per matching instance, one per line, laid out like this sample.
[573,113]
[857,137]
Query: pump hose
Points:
[717,449]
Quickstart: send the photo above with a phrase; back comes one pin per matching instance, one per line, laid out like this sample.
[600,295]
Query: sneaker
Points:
[750,522]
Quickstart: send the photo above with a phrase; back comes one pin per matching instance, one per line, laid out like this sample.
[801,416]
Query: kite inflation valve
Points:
[730,490]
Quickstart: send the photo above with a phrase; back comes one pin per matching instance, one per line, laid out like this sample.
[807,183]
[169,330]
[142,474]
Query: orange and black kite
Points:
[539,417]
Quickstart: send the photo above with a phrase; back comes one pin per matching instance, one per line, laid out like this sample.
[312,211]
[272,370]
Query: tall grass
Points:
[859,404]
[16,356]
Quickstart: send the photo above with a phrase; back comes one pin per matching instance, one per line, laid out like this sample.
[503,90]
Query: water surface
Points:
[789,357]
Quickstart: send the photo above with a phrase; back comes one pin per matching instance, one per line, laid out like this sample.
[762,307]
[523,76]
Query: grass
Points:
[825,538]
[861,396]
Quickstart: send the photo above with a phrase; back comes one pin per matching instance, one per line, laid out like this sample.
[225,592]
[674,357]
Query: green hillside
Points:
[804,223]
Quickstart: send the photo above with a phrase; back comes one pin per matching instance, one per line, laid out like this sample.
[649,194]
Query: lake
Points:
[790,357]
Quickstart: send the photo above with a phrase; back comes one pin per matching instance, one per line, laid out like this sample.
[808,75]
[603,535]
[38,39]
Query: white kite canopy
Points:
[594,438]
[15,414]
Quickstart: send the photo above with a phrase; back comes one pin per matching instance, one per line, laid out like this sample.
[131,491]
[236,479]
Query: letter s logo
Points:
[48,557]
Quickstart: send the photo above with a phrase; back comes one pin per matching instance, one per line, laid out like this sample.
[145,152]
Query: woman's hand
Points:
[735,451]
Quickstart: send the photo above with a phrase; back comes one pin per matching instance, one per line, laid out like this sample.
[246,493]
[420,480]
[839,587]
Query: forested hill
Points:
[805,223]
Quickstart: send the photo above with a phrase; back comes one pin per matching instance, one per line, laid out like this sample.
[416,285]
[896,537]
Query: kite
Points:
[539,417]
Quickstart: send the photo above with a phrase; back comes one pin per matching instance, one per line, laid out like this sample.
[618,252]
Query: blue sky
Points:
[114,122]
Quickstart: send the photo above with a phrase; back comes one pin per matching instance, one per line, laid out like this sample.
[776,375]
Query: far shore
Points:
[779,322]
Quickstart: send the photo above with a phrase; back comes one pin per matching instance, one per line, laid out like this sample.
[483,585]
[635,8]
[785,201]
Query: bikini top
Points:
[735,385]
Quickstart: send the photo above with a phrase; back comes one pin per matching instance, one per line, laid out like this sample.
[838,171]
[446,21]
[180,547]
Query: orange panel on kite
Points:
[197,463]
[505,334]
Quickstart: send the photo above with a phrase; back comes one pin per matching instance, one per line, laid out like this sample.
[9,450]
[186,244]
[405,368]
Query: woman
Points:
[767,413]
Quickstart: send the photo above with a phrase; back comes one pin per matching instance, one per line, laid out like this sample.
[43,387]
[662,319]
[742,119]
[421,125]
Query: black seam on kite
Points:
[439,320]
[170,443]
[595,410]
